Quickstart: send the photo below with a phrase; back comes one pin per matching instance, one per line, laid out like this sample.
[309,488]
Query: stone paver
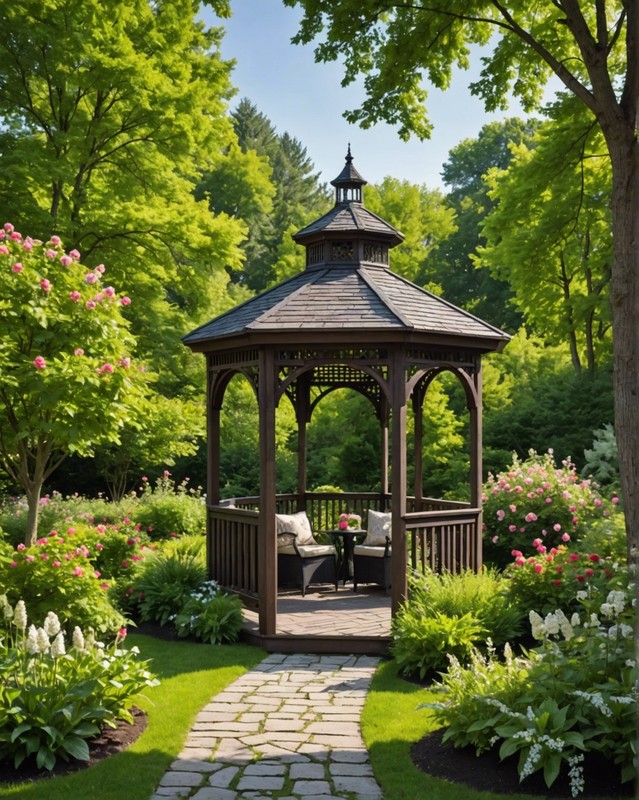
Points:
[288,729]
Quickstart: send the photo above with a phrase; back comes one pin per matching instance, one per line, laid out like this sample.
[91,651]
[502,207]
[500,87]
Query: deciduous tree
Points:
[591,47]
[67,379]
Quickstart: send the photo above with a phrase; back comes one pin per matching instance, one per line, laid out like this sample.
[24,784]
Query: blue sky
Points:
[306,100]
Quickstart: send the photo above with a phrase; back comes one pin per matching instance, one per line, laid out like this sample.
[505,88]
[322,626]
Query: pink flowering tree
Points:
[67,379]
[535,505]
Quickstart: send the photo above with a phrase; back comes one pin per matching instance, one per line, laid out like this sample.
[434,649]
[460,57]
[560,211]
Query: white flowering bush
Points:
[571,696]
[56,694]
[210,615]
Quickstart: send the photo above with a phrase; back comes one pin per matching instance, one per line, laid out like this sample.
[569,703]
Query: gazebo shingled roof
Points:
[345,321]
[335,298]
[342,290]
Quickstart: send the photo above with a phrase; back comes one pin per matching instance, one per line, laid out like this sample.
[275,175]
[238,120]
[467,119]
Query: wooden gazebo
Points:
[346,321]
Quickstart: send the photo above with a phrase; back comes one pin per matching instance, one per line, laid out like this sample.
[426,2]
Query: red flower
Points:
[594,557]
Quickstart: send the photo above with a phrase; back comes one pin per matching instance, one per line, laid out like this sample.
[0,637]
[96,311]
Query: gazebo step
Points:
[300,643]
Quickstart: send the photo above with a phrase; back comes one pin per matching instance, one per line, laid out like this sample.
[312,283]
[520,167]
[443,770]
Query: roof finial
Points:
[349,157]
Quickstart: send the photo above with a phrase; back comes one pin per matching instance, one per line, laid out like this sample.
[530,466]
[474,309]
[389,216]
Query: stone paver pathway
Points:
[287,729]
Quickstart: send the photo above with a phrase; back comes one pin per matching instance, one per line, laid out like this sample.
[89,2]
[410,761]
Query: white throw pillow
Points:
[295,523]
[379,527]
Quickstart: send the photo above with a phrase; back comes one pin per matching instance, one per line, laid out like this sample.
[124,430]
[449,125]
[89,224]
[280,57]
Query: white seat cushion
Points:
[367,550]
[379,527]
[297,524]
[308,551]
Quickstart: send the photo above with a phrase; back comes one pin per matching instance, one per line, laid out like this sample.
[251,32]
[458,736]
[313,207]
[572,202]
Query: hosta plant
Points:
[210,615]
[57,693]
[572,695]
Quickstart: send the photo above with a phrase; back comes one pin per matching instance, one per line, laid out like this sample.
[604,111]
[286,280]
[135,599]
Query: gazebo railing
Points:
[442,535]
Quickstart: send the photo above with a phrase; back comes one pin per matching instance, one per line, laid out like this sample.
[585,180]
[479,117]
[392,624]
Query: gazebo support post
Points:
[383,471]
[302,412]
[475,411]
[213,437]
[399,581]
[418,443]
[267,569]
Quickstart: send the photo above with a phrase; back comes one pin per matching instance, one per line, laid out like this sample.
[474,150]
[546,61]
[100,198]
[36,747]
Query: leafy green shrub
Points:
[446,610]
[56,574]
[571,695]
[170,510]
[210,615]
[535,500]
[167,580]
[53,699]
[421,643]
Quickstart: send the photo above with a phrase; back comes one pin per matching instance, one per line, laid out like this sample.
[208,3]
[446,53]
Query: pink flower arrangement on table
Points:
[349,521]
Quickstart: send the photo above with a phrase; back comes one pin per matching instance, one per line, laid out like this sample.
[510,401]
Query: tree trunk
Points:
[33,502]
[624,299]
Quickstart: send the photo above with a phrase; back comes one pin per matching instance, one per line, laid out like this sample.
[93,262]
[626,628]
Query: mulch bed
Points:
[110,742]
[488,773]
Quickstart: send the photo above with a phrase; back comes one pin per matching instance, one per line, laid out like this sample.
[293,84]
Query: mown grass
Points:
[190,674]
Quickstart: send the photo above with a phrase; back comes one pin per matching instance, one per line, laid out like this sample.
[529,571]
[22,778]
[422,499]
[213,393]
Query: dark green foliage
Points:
[210,615]
[448,614]
[167,581]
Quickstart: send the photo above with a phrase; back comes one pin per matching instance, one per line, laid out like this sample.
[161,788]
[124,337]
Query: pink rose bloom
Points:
[28,244]
[556,527]
[518,489]
[104,586]
[597,501]
[46,285]
[75,296]
[90,304]
[549,500]
[13,563]
[91,278]
[66,261]
[17,267]
[99,297]
[572,509]
[15,236]
[125,564]
[125,301]
[108,368]
[99,546]
[100,268]
[109,291]
[538,568]
[513,508]
[56,564]
[575,520]
[8,227]
[530,517]
[501,514]
[512,528]
[74,254]
[21,546]
[574,557]
[4,250]
[55,241]
[78,572]
[78,351]
[614,500]
[39,362]
[51,254]
[495,539]
[520,561]
[536,542]
[125,362]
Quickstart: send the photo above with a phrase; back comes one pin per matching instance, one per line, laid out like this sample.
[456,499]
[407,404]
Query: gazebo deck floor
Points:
[326,621]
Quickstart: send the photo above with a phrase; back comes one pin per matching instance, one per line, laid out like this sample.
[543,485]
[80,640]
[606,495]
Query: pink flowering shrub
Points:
[555,579]
[536,501]
[57,574]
